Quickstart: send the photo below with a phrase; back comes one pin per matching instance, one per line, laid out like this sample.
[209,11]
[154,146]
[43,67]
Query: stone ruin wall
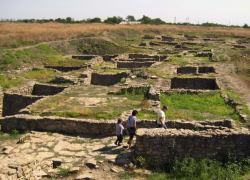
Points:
[46,90]
[107,79]
[194,83]
[66,69]
[17,99]
[141,56]
[134,64]
[139,60]
[84,57]
[109,57]
[96,127]
[13,103]
[195,70]
[159,145]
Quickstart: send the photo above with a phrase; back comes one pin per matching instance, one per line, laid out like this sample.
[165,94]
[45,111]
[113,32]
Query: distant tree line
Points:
[117,20]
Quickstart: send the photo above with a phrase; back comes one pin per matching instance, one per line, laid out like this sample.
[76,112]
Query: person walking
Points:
[161,117]
[132,127]
[119,129]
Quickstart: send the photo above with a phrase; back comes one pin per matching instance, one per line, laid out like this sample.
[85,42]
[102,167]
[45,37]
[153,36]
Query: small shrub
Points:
[15,132]
[27,131]
[64,171]
[123,80]
[141,162]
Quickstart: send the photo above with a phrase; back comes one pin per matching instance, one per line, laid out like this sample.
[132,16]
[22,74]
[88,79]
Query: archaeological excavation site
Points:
[60,102]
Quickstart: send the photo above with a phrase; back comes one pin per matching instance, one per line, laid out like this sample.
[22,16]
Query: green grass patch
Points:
[146,115]
[41,75]
[8,82]
[58,60]
[8,60]
[46,49]
[204,169]
[64,171]
[100,46]
[8,136]
[197,106]
[178,61]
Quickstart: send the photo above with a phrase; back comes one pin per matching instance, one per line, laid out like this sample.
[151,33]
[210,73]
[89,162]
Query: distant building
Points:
[130,22]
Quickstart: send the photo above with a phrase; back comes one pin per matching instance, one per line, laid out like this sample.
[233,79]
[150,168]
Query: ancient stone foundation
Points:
[107,79]
[19,98]
[187,70]
[206,69]
[96,127]
[66,69]
[109,57]
[134,64]
[46,90]
[159,145]
[194,83]
[195,70]
[139,56]
[168,38]
[204,54]
[84,57]
[13,103]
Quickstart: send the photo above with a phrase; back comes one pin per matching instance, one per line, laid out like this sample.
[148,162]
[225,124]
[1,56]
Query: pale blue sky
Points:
[218,11]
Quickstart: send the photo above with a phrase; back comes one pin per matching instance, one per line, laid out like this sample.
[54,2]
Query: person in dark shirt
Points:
[132,127]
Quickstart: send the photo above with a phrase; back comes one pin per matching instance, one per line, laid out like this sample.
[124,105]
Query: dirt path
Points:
[58,41]
[233,82]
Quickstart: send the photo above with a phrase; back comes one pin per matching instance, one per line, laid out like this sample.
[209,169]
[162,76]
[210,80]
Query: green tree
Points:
[113,20]
[158,21]
[130,18]
[58,20]
[69,20]
[245,26]
[146,20]
[94,20]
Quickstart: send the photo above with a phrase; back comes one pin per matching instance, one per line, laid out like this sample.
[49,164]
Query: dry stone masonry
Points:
[159,145]
[194,83]
[84,57]
[96,127]
[17,99]
[47,90]
[66,68]
[195,70]
[107,79]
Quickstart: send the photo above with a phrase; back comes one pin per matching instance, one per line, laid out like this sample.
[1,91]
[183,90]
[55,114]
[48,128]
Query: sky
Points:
[229,12]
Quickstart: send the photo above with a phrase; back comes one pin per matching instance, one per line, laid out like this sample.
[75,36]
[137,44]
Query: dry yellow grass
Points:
[23,32]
